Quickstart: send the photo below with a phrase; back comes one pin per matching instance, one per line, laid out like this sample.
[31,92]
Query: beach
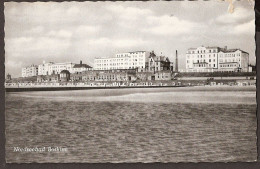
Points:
[133,125]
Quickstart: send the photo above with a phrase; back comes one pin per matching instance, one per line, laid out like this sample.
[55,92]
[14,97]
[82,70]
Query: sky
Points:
[74,31]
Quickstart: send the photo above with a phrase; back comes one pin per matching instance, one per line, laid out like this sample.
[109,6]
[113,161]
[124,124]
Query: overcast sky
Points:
[74,31]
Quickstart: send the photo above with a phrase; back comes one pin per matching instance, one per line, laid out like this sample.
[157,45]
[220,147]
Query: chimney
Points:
[81,62]
[225,48]
[176,62]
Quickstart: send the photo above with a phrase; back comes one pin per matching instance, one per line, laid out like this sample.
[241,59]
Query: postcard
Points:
[130,82]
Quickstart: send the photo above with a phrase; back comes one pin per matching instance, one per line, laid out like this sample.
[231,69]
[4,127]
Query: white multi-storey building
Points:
[213,59]
[30,71]
[44,68]
[129,60]
[54,68]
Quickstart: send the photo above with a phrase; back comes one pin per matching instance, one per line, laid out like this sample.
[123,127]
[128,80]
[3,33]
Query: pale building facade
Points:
[216,59]
[51,68]
[56,68]
[44,68]
[129,60]
[30,71]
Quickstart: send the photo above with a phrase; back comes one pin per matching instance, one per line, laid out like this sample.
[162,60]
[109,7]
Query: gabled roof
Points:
[81,66]
[231,50]
[159,58]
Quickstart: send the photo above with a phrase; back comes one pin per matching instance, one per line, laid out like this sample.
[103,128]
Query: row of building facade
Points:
[54,68]
[123,75]
[216,59]
[201,59]
[142,61]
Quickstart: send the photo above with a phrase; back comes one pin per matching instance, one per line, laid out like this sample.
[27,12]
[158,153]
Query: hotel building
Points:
[30,71]
[216,59]
[51,68]
[129,60]
[44,68]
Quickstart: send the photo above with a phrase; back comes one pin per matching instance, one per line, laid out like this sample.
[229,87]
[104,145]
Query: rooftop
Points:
[81,66]
[225,50]
[231,50]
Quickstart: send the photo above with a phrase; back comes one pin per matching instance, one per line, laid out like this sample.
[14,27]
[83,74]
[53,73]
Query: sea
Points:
[170,124]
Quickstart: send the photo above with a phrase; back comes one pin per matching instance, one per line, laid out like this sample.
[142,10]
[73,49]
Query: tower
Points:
[176,62]
[8,77]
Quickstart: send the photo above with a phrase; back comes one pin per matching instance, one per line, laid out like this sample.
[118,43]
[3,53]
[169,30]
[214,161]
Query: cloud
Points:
[129,43]
[100,41]
[60,34]
[26,47]
[85,31]
[73,11]
[130,13]
[116,43]
[245,28]
[169,25]
[13,63]
[36,30]
[239,15]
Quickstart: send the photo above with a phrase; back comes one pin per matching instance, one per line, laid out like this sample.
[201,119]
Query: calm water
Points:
[133,125]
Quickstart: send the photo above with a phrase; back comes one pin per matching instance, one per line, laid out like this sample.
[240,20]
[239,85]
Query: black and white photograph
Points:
[130,82]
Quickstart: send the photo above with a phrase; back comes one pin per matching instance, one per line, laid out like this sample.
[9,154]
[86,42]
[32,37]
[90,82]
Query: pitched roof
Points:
[159,58]
[231,50]
[81,66]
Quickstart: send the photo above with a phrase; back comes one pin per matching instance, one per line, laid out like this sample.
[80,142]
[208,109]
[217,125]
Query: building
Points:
[54,68]
[158,63]
[216,59]
[8,77]
[109,75]
[64,76]
[30,71]
[129,60]
[77,68]
[252,68]
[48,78]
[44,68]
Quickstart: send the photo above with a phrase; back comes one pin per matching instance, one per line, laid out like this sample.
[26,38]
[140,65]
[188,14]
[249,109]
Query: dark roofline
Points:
[231,50]
[81,65]
[228,62]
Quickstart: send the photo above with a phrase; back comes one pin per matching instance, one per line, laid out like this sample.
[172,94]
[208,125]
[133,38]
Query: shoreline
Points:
[27,89]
